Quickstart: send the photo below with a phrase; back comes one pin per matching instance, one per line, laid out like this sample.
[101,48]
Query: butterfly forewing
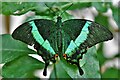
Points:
[97,34]
[71,29]
[45,29]
[23,33]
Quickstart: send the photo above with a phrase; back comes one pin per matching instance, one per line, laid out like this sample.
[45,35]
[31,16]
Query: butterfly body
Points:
[69,39]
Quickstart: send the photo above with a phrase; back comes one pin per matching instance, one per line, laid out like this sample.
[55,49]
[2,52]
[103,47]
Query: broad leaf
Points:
[19,8]
[116,14]
[22,67]
[91,68]
[0,7]
[12,49]
[114,71]
[100,6]
[100,17]
[89,64]
[77,5]
[59,71]
[100,54]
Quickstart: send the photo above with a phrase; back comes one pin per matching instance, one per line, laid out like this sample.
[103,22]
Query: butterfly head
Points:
[59,18]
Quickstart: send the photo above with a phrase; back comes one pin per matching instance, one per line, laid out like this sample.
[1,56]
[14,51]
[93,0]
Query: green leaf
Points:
[116,14]
[91,67]
[89,64]
[19,8]
[22,67]
[100,17]
[100,6]
[0,7]
[54,8]
[100,54]
[76,5]
[59,71]
[111,73]
[12,49]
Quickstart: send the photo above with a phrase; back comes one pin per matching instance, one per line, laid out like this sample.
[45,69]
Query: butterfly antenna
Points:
[50,8]
[66,8]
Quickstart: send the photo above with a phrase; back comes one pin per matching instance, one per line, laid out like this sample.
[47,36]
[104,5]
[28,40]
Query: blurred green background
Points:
[105,13]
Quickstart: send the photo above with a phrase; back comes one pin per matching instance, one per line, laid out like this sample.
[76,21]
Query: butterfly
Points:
[69,39]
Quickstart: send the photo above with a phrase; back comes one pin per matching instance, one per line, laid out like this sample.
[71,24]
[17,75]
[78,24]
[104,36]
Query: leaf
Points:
[89,64]
[100,17]
[100,6]
[52,9]
[100,54]
[111,73]
[59,71]
[0,7]
[76,5]
[19,8]
[116,14]
[91,68]
[22,67]
[12,49]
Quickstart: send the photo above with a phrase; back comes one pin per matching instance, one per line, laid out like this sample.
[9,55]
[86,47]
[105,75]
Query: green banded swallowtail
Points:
[69,39]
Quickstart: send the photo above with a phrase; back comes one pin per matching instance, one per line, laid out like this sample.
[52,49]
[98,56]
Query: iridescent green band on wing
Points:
[83,35]
[40,39]
[80,39]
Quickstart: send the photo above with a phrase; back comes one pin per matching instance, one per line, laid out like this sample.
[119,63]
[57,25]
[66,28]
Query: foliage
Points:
[17,61]
[15,54]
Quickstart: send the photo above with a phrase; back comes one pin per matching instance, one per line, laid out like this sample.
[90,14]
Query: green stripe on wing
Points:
[40,39]
[47,46]
[80,39]
[36,34]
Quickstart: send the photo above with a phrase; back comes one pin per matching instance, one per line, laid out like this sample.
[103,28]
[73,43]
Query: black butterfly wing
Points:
[82,34]
[23,32]
[71,30]
[97,33]
[38,32]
